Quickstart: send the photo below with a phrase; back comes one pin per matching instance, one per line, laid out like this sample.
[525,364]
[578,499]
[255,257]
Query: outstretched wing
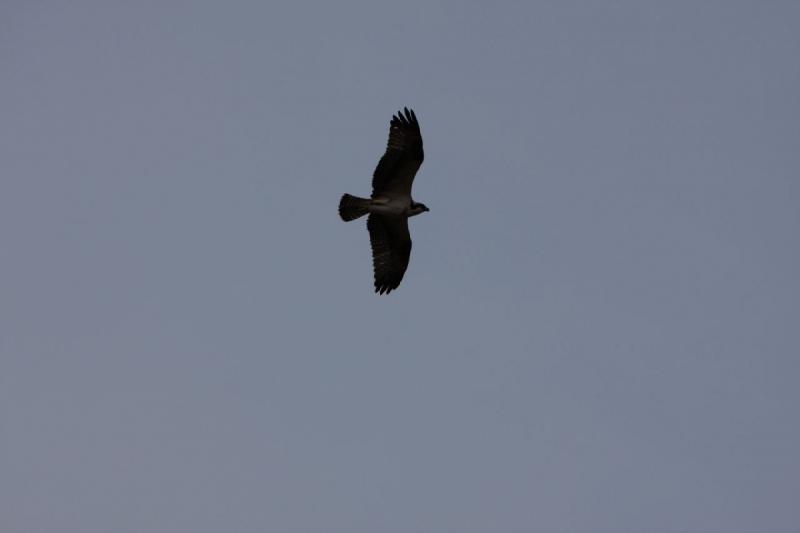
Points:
[398,166]
[391,249]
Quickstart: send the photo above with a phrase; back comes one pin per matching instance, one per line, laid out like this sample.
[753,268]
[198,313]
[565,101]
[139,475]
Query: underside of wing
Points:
[391,249]
[398,166]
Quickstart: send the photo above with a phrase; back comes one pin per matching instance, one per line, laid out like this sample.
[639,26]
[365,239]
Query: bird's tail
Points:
[352,207]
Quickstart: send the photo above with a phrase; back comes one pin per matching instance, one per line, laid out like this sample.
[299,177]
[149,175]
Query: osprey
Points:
[391,204]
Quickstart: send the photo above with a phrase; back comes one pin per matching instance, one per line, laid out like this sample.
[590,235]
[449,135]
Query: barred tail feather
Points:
[353,207]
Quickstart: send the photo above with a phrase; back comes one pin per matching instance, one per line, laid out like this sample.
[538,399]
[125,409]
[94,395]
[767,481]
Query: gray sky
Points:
[598,331]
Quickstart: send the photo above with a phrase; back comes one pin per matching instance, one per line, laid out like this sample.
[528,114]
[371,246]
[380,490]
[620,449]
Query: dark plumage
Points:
[391,250]
[391,204]
[403,157]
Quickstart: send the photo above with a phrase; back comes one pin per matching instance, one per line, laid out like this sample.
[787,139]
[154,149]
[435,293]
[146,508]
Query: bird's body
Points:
[391,204]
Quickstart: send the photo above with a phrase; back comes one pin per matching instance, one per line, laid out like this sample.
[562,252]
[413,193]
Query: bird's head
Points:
[417,208]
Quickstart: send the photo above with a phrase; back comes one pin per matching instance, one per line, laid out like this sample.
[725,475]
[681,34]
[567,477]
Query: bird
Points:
[390,205]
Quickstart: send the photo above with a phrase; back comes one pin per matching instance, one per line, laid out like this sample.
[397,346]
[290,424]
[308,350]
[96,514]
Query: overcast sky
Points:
[599,330]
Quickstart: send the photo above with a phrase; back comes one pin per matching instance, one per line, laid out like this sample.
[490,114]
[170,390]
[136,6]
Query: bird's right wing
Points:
[404,154]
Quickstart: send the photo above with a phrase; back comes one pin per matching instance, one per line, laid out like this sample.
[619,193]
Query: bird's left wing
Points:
[391,250]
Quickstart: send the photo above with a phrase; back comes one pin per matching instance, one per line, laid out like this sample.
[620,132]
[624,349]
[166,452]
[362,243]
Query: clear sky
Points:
[599,330]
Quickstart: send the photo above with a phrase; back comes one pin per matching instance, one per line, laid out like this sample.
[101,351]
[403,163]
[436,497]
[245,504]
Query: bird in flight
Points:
[391,204]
